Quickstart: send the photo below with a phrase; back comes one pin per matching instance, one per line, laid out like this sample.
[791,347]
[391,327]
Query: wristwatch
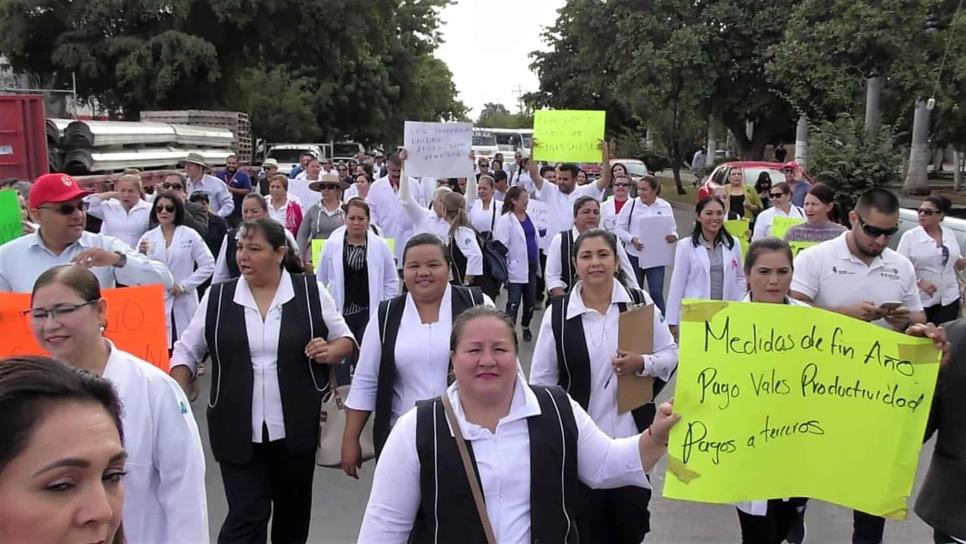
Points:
[122,259]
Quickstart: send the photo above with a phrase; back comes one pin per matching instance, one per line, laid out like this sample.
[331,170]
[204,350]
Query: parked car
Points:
[752,169]
[635,169]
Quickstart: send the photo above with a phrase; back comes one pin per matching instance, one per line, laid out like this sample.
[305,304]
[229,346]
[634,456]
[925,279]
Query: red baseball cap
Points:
[54,188]
[791,165]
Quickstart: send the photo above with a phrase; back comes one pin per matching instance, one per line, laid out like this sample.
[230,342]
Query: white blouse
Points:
[600,335]
[126,226]
[503,465]
[422,359]
[281,214]
[921,249]
[263,344]
[765,219]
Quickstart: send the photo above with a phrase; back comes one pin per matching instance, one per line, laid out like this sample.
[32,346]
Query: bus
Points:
[484,143]
[508,140]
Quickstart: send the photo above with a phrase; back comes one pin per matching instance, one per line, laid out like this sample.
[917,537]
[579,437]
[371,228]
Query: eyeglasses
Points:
[927,211]
[57,312]
[777,195]
[945,252]
[621,185]
[174,186]
[165,208]
[875,232]
[67,208]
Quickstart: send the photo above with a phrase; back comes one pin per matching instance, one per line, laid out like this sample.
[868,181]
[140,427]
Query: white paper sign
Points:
[651,231]
[439,150]
[540,215]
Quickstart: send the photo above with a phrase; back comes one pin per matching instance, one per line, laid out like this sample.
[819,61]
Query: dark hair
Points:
[178,207]
[199,195]
[569,167]
[499,175]
[425,239]
[181,177]
[394,160]
[723,237]
[274,233]
[357,203]
[366,175]
[763,178]
[496,160]
[81,280]
[257,197]
[826,195]
[459,324]
[611,241]
[513,193]
[783,186]
[878,199]
[615,165]
[652,182]
[940,202]
[31,386]
[579,203]
[766,245]
[546,168]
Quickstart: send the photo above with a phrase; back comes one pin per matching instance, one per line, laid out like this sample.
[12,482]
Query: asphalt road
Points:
[339,501]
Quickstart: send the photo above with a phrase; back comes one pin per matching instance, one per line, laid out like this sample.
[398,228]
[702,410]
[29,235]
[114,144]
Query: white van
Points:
[484,143]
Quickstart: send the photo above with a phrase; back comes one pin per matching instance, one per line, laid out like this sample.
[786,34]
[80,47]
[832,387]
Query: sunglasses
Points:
[875,232]
[945,252]
[777,195]
[165,208]
[484,165]
[927,211]
[330,187]
[175,186]
[67,208]
[621,185]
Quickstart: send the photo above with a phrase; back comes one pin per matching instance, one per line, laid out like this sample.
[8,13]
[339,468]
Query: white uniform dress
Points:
[125,225]
[503,464]
[164,491]
[190,262]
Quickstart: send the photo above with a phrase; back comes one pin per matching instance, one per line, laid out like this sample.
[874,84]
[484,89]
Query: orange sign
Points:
[135,323]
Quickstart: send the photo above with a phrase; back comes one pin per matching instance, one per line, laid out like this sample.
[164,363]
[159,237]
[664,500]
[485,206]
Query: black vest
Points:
[447,512]
[573,361]
[300,380]
[457,263]
[568,273]
[230,249]
[390,315]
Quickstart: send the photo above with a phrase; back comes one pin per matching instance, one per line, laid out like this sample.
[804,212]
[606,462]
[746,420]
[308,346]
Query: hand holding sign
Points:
[568,135]
[438,150]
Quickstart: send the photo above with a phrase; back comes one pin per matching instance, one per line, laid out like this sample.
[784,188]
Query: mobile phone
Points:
[890,306]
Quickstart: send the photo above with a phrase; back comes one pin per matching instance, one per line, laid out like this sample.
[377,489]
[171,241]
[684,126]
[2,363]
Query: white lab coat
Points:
[691,277]
[187,249]
[383,279]
[509,232]
[164,491]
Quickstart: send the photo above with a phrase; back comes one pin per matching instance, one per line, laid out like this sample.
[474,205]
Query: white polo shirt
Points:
[832,277]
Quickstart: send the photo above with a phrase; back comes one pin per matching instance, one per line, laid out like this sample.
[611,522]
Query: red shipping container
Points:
[23,137]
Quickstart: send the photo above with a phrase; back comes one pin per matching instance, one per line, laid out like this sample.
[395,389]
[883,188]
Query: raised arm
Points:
[603,182]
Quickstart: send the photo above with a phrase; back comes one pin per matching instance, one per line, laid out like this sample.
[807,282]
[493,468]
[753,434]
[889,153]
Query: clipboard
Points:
[635,334]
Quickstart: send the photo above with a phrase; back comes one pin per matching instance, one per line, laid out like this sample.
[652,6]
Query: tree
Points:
[497,116]
[366,64]
[851,160]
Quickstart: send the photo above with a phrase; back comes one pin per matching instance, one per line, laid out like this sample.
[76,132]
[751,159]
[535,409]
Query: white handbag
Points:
[332,420]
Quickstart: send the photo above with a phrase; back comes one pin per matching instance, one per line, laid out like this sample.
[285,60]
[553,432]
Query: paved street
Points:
[339,502]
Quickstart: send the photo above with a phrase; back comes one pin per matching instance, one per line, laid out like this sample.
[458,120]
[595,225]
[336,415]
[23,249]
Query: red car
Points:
[751,169]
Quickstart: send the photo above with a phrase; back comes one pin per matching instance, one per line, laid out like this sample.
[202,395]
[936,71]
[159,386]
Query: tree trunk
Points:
[873,90]
[801,142]
[937,160]
[649,140]
[676,170]
[957,169]
[711,156]
[917,178]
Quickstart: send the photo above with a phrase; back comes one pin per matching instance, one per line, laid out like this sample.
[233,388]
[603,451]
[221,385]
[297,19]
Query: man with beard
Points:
[856,274]
[57,205]
[239,184]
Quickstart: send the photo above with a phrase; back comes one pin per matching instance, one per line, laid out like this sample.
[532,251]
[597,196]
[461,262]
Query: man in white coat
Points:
[387,210]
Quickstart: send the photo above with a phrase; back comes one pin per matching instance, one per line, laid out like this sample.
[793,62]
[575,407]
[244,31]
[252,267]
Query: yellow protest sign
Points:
[798,247]
[791,401]
[780,226]
[739,228]
[568,135]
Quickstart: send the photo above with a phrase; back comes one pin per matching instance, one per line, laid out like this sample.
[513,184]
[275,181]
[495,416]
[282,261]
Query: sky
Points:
[487,43]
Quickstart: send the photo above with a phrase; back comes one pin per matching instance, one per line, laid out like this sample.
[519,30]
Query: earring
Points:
[101,328]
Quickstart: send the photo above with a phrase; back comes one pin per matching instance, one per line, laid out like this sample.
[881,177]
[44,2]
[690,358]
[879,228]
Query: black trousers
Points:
[613,516]
[275,484]
[541,282]
[488,285]
[772,528]
[866,528]
[938,314]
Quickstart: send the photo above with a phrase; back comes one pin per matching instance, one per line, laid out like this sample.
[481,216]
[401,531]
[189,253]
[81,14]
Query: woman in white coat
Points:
[515,230]
[707,264]
[357,268]
[185,254]
[164,491]
[448,221]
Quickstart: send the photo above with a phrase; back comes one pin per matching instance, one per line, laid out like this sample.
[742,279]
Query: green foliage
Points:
[655,160]
[849,160]
[281,105]
[356,68]
[497,116]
